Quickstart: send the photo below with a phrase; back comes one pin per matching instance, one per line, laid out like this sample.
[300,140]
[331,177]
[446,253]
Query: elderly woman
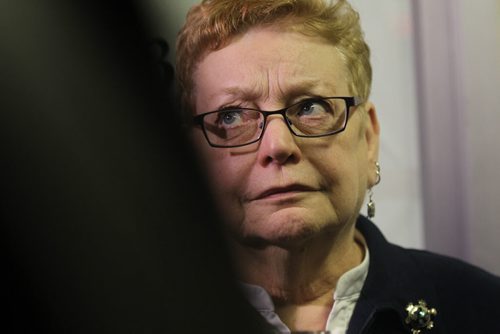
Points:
[278,92]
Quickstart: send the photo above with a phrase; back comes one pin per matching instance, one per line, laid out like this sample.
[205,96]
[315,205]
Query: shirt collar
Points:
[351,282]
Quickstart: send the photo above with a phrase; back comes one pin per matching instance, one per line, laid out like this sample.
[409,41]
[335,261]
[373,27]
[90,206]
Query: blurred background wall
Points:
[436,88]
[458,67]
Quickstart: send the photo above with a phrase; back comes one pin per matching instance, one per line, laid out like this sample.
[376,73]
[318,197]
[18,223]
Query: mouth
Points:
[276,192]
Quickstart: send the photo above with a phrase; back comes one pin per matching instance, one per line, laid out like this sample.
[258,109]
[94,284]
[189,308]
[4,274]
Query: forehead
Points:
[268,64]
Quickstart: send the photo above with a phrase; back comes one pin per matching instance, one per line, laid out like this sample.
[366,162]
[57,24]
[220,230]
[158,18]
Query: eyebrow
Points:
[241,92]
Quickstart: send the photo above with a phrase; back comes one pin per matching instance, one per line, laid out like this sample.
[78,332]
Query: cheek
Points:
[211,159]
[228,178]
[343,166]
[227,174]
[356,149]
[362,162]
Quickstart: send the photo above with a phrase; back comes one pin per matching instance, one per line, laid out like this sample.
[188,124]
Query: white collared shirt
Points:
[345,298]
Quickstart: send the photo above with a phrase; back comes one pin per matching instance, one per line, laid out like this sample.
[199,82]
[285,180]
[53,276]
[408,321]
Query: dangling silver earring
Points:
[370,206]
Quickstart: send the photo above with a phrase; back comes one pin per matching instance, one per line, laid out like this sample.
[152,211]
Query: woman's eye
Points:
[312,108]
[229,117]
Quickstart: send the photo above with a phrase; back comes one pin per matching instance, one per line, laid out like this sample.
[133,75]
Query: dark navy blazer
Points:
[467,299]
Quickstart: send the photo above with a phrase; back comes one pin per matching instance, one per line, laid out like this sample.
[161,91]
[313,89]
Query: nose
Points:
[278,145]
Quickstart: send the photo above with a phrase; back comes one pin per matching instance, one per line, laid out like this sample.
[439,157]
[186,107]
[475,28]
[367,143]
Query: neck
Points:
[301,275]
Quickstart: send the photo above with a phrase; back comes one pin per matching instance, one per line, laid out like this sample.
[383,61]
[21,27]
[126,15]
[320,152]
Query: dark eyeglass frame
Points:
[350,101]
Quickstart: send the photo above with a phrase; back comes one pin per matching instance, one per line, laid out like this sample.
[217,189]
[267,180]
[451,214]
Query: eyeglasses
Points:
[310,118]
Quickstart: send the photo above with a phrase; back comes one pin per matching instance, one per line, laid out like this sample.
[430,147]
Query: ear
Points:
[372,137]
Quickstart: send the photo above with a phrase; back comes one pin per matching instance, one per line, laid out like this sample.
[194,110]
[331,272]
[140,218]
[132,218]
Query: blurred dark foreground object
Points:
[106,226]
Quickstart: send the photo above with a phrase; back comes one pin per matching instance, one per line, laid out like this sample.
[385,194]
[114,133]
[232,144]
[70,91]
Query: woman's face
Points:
[284,189]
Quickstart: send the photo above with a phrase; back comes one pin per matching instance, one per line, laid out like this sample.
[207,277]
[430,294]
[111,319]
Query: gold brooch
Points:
[420,317]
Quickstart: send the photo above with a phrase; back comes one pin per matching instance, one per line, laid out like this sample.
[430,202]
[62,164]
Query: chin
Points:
[289,230]
[293,237]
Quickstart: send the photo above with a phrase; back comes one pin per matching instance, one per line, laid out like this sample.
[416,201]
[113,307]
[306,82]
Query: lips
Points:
[283,190]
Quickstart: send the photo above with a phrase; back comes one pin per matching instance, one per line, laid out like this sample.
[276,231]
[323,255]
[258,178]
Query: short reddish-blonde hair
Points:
[212,24]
